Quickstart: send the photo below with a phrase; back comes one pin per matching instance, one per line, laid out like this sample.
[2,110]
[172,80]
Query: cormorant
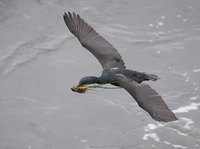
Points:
[115,72]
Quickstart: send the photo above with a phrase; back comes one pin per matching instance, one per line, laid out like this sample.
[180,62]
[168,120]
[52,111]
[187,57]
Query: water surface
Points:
[40,60]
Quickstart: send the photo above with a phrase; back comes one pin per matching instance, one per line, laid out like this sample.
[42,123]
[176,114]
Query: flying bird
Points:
[115,72]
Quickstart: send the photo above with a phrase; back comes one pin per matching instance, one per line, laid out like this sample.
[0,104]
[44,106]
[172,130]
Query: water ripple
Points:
[27,51]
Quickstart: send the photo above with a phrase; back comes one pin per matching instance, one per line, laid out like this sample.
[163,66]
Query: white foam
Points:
[196,70]
[150,127]
[184,20]
[160,23]
[193,98]
[174,145]
[151,25]
[187,80]
[180,133]
[163,17]
[166,142]
[83,140]
[188,122]
[151,135]
[192,106]
[179,146]
[158,52]
[184,74]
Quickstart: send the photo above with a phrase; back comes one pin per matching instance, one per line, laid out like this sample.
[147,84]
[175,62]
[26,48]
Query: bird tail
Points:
[151,77]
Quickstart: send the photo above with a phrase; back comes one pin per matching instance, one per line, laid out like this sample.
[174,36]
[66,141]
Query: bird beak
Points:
[79,89]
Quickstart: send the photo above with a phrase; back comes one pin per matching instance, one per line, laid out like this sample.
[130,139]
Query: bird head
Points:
[82,87]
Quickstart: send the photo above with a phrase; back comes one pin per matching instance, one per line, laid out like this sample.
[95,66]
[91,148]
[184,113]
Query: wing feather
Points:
[107,55]
[149,100]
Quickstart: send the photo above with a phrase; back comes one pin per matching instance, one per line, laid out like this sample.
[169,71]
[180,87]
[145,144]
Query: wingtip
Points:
[170,119]
[74,14]
[68,13]
[166,116]
[64,15]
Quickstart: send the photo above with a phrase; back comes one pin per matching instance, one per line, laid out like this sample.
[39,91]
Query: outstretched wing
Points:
[91,40]
[149,100]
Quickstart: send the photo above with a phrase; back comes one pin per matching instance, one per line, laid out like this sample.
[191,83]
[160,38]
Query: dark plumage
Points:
[115,72]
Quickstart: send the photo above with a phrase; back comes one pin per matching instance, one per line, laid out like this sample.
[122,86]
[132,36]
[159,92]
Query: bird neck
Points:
[89,80]
[101,80]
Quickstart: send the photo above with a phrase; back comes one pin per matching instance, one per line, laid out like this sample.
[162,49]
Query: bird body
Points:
[108,76]
[115,72]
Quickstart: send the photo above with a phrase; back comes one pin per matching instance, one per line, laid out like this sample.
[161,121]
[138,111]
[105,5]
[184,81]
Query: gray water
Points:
[40,60]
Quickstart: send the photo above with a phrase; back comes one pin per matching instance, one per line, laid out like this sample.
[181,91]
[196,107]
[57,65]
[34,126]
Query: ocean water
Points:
[40,60]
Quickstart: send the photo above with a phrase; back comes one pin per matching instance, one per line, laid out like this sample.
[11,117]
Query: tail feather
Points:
[152,77]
